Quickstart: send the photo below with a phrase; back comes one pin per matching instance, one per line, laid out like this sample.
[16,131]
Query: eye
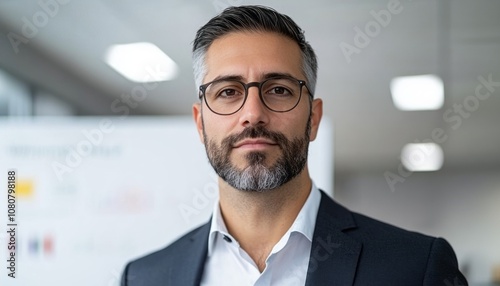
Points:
[225,90]
[279,90]
[228,92]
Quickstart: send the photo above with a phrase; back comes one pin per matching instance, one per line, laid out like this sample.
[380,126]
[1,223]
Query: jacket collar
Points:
[333,260]
[189,269]
[334,255]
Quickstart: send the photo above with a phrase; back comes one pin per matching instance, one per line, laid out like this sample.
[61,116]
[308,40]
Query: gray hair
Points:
[252,18]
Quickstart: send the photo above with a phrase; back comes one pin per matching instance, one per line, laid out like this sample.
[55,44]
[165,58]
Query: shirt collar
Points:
[304,223]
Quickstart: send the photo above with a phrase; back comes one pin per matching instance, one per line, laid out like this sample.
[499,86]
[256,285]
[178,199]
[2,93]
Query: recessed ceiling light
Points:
[421,157]
[422,92]
[141,62]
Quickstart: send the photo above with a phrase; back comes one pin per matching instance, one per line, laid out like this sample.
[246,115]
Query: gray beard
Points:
[257,177]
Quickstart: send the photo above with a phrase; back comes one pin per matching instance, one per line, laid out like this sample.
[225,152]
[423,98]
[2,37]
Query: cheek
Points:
[295,125]
[216,129]
[305,118]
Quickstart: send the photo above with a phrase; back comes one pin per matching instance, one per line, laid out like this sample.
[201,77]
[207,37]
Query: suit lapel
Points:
[334,255]
[333,259]
[189,269]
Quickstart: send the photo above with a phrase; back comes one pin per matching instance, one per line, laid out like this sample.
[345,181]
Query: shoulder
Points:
[382,236]
[159,265]
[366,229]
[390,249]
[412,254]
[168,253]
[377,230]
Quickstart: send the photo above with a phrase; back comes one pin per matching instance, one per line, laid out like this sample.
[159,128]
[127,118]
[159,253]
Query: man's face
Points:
[255,148]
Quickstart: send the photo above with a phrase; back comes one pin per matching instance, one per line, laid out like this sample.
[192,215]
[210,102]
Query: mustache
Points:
[255,132]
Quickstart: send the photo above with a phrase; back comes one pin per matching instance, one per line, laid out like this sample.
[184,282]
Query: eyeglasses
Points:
[279,94]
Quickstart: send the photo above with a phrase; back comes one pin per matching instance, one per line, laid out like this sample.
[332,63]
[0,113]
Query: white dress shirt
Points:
[229,265]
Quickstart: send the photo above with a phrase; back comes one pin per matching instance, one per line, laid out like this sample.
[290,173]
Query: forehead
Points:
[251,55]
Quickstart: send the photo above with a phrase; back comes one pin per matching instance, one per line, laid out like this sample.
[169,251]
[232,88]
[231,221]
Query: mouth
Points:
[255,143]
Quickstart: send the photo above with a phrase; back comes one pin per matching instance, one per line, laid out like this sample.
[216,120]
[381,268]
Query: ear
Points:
[316,114]
[198,120]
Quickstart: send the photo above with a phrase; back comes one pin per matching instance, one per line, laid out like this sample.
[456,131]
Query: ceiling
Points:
[458,40]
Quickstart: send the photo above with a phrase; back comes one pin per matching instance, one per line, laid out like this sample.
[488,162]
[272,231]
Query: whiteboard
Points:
[97,192]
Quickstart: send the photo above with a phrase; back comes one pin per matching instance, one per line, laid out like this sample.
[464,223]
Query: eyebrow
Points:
[264,76]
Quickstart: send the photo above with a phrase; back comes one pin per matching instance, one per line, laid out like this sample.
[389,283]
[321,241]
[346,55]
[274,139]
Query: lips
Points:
[255,142]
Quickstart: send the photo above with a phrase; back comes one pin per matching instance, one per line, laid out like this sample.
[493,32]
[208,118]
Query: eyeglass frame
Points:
[259,85]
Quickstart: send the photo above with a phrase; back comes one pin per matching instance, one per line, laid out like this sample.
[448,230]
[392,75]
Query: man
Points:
[272,226]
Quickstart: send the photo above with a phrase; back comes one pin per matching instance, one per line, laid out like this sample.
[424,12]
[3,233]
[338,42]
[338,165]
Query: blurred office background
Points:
[58,79]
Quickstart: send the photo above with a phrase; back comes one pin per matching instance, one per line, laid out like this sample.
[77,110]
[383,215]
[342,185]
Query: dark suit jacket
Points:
[347,249]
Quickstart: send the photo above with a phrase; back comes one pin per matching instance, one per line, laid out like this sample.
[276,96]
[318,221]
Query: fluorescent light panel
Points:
[422,92]
[141,62]
[421,157]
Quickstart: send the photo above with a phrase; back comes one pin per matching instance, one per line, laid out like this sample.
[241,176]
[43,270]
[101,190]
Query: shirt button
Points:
[227,238]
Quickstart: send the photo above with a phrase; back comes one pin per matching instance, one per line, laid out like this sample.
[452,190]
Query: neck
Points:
[258,220]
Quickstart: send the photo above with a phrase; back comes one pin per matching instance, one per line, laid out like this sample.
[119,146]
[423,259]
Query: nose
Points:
[253,111]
